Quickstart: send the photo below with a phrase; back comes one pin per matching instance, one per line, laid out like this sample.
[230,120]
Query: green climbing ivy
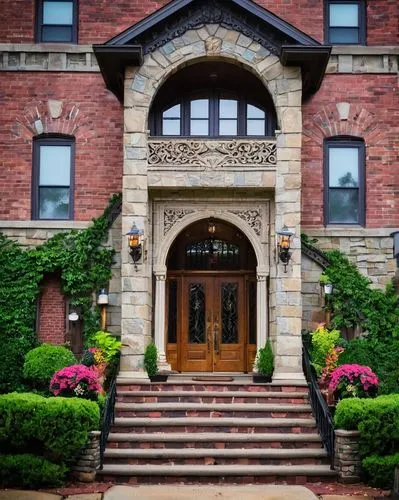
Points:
[354,302]
[84,267]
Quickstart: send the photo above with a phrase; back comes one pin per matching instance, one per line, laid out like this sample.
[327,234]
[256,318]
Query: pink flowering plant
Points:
[353,381]
[76,381]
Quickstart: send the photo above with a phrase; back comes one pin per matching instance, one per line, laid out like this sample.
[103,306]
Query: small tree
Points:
[264,363]
[151,360]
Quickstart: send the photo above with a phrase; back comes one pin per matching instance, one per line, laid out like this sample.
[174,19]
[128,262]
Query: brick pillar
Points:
[51,312]
[347,457]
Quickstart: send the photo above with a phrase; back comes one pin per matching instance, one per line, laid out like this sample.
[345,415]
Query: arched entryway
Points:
[211,299]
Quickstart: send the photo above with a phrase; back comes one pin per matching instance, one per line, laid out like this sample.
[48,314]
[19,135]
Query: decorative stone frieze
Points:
[210,155]
[347,457]
[252,218]
[47,57]
[89,460]
[173,215]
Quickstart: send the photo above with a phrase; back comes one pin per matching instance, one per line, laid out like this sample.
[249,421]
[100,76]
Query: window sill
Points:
[348,231]
[44,224]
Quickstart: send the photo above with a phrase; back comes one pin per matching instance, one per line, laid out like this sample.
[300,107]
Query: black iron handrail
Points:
[107,418]
[320,409]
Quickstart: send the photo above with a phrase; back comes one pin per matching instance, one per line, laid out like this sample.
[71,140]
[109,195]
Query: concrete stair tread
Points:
[278,408]
[212,437]
[211,452]
[215,394]
[214,421]
[217,470]
[174,380]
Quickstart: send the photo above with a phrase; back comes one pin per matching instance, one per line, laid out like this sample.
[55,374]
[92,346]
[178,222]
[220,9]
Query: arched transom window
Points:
[213,100]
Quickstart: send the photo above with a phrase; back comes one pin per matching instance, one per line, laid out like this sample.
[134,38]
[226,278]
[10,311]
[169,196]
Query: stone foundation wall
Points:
[369,249]
[347,457]
[89,460]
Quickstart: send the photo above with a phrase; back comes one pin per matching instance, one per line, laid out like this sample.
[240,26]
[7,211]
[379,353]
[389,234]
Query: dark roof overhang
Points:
[312,60]
[293,47]
[113,60]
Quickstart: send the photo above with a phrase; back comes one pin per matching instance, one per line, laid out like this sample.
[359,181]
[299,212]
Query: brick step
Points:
[211,397]
[211,474]
[201,456]
[213,440]
[132,385]
[219,424]
[212,410]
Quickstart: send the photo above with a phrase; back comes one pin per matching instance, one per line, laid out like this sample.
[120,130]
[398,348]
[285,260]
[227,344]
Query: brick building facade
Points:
[101,82]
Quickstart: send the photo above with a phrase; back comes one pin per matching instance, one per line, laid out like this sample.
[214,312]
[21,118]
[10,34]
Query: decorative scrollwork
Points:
[211,155]
[212,12]
[252,217]
[171,216]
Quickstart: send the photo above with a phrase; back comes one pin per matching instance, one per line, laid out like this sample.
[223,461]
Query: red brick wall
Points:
[100,20]
[52,312]
[375,117]
[99,157]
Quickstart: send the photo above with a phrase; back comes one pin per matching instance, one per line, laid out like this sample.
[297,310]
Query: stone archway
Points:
[252,221]
[213,42]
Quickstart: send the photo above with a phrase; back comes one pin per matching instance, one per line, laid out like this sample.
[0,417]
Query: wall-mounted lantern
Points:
[395,237]
[135,242]
[284,245]
[102,301]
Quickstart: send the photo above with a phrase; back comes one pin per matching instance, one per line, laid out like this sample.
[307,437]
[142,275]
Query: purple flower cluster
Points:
[353,376]
[76,380]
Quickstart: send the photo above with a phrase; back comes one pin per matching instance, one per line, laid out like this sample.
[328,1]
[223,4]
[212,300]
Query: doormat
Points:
[213,379]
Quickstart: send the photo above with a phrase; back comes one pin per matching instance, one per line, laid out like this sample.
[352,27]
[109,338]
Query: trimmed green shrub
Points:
[42,362]
[381,357]
[264,363]
[151,360]
[380,471]
[12,356]
[376,419]
[30,471]
[56,428]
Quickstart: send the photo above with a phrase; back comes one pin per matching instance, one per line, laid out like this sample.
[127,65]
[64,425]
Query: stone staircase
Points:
[214,433]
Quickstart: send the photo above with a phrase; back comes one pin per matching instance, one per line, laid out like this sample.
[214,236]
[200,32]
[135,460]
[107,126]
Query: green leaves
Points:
[354,302]
[84,267]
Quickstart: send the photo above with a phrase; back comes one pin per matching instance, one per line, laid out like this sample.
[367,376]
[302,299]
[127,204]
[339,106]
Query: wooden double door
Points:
[212,324]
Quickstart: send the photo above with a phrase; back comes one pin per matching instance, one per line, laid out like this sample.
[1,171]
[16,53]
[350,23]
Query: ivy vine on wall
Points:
[84,267]
[354,302]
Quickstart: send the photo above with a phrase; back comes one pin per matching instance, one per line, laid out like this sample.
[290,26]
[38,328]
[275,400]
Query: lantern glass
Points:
[102,298]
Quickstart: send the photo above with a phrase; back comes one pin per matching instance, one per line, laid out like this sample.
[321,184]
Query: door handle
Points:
[208,333]
[216,336]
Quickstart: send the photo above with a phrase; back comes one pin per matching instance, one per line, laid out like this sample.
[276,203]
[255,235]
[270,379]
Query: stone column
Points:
[347,457]
[262,319]
[159,320]
[287,300]
[136,310]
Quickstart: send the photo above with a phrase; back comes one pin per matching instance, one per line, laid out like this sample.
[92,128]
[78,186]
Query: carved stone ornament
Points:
[211,155]
[212,12]
[251,217]
[173,215]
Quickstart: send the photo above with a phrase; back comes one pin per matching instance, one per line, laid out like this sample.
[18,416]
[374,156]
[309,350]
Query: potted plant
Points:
[151,364]
[264,364]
